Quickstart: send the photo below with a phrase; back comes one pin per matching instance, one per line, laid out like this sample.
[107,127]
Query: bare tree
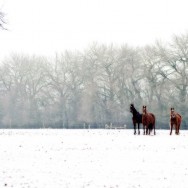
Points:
[2,20]
[130,75]
[64,85]
[22,80]
[96,86]
[175,59]
[156,87]
[101,63]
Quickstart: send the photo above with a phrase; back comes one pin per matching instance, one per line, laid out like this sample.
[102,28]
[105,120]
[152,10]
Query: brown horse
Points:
[148,121]
[175,120]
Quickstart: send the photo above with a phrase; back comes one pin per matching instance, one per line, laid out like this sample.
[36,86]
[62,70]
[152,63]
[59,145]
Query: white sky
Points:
[49,26]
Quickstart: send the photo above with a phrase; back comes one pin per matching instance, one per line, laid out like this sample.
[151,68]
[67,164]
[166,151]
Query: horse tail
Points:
[180,118]
[154,120]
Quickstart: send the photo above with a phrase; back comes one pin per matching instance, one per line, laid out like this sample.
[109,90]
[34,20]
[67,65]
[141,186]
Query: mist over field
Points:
[74,89]
[80,64]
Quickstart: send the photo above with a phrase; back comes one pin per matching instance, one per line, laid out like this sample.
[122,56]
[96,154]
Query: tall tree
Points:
[175,69]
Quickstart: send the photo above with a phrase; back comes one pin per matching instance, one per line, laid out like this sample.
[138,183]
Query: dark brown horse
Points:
[175,120]
[137,118]
[148,121]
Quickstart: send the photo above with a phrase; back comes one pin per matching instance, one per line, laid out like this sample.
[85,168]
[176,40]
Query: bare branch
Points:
[2,21]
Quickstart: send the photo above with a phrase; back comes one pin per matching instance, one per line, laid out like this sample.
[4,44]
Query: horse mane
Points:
[134,109]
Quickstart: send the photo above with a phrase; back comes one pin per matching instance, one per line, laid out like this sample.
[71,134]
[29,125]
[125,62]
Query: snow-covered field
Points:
[92,158]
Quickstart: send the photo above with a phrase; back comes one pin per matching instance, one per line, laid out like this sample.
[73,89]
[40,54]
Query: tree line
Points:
[95,87]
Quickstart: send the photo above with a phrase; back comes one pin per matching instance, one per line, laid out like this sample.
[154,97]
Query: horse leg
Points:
[144,129]
[175,129]
[178,128]
[147,129]
[154,129]
[134,128]
[171,128]
[139,128]
[150,128]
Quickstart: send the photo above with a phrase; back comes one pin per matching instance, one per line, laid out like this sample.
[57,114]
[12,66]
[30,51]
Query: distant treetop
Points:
[2,20]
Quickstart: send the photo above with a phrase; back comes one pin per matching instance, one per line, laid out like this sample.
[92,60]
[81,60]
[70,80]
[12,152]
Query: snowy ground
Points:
[92,159]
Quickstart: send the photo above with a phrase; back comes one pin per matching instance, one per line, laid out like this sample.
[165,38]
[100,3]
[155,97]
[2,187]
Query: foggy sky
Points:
[49,26]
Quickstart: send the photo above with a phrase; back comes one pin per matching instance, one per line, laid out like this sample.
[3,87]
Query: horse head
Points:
[131,108]
[144,110]
[172,113]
